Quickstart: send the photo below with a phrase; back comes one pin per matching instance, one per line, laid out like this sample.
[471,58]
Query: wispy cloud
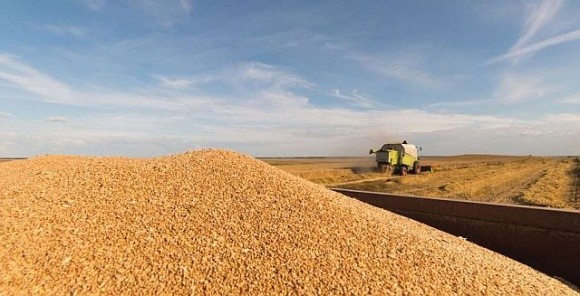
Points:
[572,99]
[287,39]
[267,113]
[4,115]
[264,73]
[354,98]
[320,131]
[516,87]
[539,16]
[564,118]
[46,88]
[177,83]
[65,31]
[410,66]
[58,119]
[186,5]
[521,52]
[405,67]
[464,103]
[29,79]
[165,12]
[536,136]
[267,109]
[270,101]
[94,5]
[259,84]
[280,100]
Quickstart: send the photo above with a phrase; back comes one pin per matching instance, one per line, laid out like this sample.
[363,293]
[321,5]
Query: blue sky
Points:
[289,78]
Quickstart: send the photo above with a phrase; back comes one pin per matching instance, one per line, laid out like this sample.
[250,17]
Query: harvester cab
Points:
[400,157]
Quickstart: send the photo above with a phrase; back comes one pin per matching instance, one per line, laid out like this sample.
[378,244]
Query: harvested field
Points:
[526,180]
[328,171]
[216,222]
[10,159]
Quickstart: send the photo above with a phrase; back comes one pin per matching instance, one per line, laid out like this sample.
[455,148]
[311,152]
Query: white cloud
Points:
[267,116]
[303,130]
[269,111]
[537,139]
[274,123]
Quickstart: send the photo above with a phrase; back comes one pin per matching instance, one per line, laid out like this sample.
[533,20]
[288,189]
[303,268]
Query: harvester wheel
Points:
[403,170]
[381,168]
[416,167]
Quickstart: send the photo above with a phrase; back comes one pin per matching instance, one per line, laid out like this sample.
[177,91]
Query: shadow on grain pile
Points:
[213,221]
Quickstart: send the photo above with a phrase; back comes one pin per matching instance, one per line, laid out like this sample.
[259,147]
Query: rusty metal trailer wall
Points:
[545,239]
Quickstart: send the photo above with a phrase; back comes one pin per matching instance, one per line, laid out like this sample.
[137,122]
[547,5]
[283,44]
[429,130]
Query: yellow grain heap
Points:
[217,222]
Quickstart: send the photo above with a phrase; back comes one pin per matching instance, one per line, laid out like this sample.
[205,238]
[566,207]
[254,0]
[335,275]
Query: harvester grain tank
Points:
[402,157]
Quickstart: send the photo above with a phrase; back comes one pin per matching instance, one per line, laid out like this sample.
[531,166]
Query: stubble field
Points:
[526,180]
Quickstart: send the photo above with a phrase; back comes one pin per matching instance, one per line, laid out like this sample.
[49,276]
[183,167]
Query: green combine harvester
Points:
[400,157]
